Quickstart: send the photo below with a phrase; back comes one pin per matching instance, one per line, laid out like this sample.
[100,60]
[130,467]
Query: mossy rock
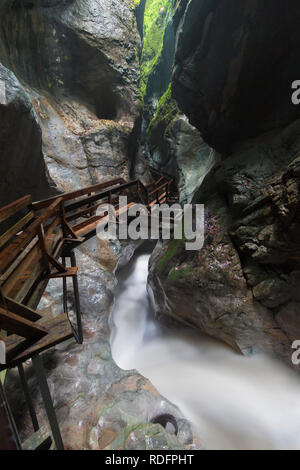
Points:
[155,22]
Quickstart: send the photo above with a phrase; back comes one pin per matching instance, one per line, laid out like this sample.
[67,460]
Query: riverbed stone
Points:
[98,405]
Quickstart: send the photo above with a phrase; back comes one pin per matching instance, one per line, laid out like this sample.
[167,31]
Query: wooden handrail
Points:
[96,197]
[158,189]
[12,208]
[74,194]
[10,251]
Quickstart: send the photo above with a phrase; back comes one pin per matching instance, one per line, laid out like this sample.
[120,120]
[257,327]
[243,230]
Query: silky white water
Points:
[234,402]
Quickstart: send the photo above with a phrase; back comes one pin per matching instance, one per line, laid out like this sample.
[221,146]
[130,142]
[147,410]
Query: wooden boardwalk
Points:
[36,238]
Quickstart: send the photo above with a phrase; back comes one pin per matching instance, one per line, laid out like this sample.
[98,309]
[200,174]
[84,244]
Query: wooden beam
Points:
[80,192]
[16,206]
[42,245]
[11,251]
[102,195]
[22,278]
[70,272]
[20,309]
[89,210]
[18,350]
[90,226]
[16,228]
[20,326]
[162,186]
[60,268]
[18,260]
[86,222]
[40,440]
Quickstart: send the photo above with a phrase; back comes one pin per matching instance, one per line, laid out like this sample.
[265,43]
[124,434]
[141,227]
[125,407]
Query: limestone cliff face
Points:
[171,143]
[177,148]
[76,106]
[234,66]
[242,287]
[22,166]
[235,63]
[79,62]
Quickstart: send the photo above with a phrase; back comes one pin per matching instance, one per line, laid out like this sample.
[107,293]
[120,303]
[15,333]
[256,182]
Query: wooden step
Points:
[19,350]
[16,228]
[11,322]
[70,272]
[84,230]
[40,440]
[20,309]
[14,207]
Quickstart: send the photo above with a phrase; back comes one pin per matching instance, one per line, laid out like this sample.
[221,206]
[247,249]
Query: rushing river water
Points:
[234,402]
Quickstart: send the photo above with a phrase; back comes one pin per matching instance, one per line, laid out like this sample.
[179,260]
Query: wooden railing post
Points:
[41,235]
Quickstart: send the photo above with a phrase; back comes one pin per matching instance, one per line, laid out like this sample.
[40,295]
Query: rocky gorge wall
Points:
[98,405]
[70,110]
[22,165]
[85,98]
[233,70]
[78,61]
[70,116]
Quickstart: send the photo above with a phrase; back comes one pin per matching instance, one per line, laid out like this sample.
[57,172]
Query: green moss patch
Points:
[180,274]
[167,110]
[155,21]
[174,247]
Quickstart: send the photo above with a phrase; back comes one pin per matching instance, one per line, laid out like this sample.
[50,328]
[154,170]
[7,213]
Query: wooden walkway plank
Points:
[20,326]
[18,261]
[89,210]
[102,195]
[19,276]
[12,231]
[10,252]
[14,207]
[27,261]
[20,309]
[80,192]
[59,330]
[40,440]
[70,272]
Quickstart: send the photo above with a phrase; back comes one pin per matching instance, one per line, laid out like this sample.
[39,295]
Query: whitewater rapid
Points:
[234,402]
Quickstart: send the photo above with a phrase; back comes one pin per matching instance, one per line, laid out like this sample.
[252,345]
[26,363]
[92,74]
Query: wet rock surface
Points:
[98,405]
[20,143]
[177,148]
[221,120]
[242,286]
[232,77]
[79,62]
[234,68]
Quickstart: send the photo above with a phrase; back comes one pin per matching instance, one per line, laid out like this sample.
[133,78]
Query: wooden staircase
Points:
[35,240]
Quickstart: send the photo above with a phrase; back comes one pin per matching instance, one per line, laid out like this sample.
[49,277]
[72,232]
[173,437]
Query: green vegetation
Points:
[173,247]
[180,274]
[155,21]
[166,111]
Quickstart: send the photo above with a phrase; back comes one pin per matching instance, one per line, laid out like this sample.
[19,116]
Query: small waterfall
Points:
[235,402]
